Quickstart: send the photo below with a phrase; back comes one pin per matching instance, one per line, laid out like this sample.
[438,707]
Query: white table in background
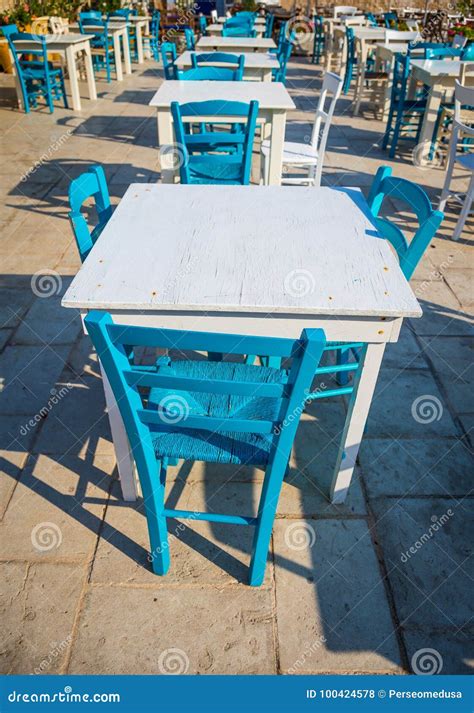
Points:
[119,34]
[439,75]
[257,65]
[235,44]
[321,238]
[72,46]
[215,30]
[274,102]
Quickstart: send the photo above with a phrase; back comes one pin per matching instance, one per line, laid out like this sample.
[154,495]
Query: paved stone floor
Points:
[380,584]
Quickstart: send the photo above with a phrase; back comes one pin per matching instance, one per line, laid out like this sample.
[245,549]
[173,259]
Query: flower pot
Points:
[5,57]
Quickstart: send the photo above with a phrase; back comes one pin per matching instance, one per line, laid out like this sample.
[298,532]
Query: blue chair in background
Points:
[404,114]
[168,57]
[204,68]
[102,46]
[202,25]
[154,37]
[371,19]
[282,36]
[221,412]
[269,22]
[351,60]
[391,20]
[443,52]
[215,157]
[286,48]
[238,30]
[189,39]
[319,41]
[91,184]
[37,78]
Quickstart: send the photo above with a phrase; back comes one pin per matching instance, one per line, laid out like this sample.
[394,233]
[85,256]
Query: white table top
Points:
[253,60]
[369,33]
[56,42]
[438,67]
[270,95]
[229,42]
[244,249]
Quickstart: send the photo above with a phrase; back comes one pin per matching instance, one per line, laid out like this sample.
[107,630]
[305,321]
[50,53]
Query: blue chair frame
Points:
[230,167]
[189,39]
[237,60]
[213,73]
[202,25]
[319,38]
[269,22]
[283,56]
[154,38]
[219,433]
[168,57]
[389,18]
[102,40]
[91,184]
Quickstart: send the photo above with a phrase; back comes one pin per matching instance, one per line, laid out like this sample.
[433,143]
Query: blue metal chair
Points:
[102,46]
[168,57]
[213,73]
[286,47]
[319,41]
[216,157]
[220,412]
[189,39]
[154,38]
[404,114]
[269,22]
[37,78]
[91,184]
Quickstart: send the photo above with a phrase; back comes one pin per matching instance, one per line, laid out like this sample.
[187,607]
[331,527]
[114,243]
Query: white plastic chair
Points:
[344,10]
[397,36]
[214,16]
[463,96]
[412,24]
[309,156]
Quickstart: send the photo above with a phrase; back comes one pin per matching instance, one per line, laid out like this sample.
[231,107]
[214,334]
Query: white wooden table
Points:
[72,46]
[324,267]
[257,65]
[274,102]
[439,75]
[215,30]
[235,44]
[119,34]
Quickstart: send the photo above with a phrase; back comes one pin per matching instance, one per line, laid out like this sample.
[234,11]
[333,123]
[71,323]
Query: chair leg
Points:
[449,171]
[465,210]
[156,521]
[342,357]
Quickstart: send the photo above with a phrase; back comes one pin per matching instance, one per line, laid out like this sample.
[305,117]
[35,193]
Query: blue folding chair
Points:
[168,57]
[37,78]
[224,157]
[91,184]
[102,45]
[189,39]
[220,412]
[213,73]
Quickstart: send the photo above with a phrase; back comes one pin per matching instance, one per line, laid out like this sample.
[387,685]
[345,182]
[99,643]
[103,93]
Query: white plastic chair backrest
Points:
[463,96]
[344,10]
[412,24]
[330,91]
[459,41]
[467,70]
[58,25]
[397,36]
[214,15]
[354,20]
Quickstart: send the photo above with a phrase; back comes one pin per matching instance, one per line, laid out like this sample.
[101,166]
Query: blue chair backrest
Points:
[443,52]
[190,39]
[202,24]
[91,15]
[283,55]
[8,31]
[92,19]
[371,19]
[391,20]
[124,12]
[131,387]
[214,111]
[208,58]
[401,72]
[168,56]
[91,184]
[318,21]
[269,22]
[468,53]
[383,185]
[39,50]
[350,38]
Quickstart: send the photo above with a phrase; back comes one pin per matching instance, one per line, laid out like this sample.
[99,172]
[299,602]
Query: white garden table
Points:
[201,268]
[215,30]
[119,34]
[257,65]
[274,102]
[439,75]
[235,44]
[72,46]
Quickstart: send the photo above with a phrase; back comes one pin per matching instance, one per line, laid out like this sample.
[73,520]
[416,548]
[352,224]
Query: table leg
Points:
[167,147]
[74,84]
[429,119]
[90,72]
[277,139]
[356,418]
[125,462]
[118,57]
[126,53]
[139,40]
[146,34]
[266,75]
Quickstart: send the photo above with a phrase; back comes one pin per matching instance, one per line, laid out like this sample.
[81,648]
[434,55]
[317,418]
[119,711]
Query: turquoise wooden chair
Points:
[371,19]
[154,38]
[391,20]
[319,41]
[189,39]
[242,30]
[282,36]
[404,114]
[102,45]
[213,73]
[443,52]
[409,254]
[168,57]
[202,25]
[216,157]
[286,48]
[38,78]
[220,412]
[269,22]
[91,184]
[351,60]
